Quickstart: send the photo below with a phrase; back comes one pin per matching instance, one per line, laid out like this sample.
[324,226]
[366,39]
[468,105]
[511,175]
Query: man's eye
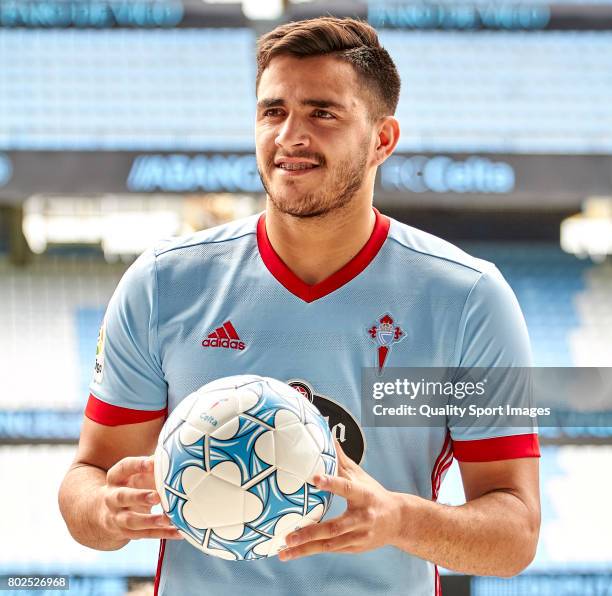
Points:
[323,114]
[272,112]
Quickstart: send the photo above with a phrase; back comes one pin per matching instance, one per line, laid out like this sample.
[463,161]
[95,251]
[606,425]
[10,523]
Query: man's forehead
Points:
[298,79]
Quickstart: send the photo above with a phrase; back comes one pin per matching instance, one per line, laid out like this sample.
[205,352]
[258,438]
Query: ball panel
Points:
[161,468]
[189,435]
[242,547]
[284,417]
[318,468]
[264,447]
[316,513]
[249,397]
[230,532]
[272,401]
[285,524]
[211,502]
[228,471]
[228,430]
[316,432]
[288,483]
[253,506]
[296,451]
[213,410]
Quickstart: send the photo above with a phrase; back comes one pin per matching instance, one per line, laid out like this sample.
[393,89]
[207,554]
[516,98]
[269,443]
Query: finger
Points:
[128,520]
[143,509]
[344,460]
[329,529]
[146,480]
[118,498]
[352,491]
[349,542]
[120,473]
[157,534]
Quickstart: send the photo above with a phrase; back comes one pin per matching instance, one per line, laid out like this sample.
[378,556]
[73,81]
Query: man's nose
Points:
[292,133]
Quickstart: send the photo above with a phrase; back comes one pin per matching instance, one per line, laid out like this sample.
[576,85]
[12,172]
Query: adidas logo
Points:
[224,337]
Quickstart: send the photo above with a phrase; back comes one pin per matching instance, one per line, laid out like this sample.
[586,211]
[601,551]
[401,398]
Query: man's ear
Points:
[388,132]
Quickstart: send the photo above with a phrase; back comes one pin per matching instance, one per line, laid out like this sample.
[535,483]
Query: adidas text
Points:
[215,342]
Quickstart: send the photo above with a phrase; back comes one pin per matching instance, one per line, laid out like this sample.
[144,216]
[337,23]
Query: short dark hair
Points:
[350,40]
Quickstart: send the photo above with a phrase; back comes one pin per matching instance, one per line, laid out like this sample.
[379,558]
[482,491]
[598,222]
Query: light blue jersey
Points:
[221,302]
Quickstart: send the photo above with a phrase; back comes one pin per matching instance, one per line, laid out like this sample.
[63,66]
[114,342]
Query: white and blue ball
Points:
[234,466]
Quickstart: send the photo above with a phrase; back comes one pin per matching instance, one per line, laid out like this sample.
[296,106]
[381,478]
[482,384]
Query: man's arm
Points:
[494,533]
[104,495]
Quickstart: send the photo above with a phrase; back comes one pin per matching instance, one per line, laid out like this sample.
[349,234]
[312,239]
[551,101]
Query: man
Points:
[300,292]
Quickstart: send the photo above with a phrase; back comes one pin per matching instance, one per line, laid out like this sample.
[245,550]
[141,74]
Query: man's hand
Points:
[370,521]
[127,499]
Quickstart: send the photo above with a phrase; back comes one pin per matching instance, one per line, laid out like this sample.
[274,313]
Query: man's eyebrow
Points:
[317,103]
[324,103]
[270,103]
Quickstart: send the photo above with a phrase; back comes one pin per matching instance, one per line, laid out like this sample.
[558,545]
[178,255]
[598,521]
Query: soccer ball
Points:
[234,466]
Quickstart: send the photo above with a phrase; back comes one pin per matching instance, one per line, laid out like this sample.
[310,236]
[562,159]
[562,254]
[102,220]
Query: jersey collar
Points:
[310,293]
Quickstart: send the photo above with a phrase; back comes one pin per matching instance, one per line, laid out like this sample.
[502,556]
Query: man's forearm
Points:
[80,504]
[495,534]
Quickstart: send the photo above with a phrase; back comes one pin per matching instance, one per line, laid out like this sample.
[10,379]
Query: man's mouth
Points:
[297,166]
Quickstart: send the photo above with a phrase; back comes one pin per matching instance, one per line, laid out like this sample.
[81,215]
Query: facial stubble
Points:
[347,178]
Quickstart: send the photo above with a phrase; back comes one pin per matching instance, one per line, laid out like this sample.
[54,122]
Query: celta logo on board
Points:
[441,174]
[190,173]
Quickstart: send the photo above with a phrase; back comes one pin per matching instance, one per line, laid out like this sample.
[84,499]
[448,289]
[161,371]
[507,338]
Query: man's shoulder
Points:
[219,235]
[435,250]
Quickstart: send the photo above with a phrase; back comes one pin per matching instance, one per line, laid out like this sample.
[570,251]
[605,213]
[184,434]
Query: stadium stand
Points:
[510,92]
[573,552]
[590,342]
[40,541]
[127,89]
[49,336]
[542,92]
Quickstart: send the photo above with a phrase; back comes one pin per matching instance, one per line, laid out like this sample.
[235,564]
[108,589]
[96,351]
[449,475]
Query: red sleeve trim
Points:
[498,448]
[103,413]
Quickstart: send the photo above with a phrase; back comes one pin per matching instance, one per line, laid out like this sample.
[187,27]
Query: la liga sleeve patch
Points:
[99,364]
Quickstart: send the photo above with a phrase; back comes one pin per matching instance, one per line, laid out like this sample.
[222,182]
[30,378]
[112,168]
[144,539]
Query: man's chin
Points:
[307,214]
[296,208]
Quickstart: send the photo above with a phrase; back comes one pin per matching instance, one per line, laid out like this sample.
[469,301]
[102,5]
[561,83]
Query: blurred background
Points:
[122,122]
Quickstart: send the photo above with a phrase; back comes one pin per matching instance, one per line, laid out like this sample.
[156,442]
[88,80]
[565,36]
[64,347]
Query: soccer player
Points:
[313,290]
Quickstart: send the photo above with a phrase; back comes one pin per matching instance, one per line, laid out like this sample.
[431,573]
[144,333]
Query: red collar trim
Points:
[310,293]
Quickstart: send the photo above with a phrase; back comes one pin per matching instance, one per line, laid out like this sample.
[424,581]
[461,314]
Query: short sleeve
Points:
[128,383]
[493,337]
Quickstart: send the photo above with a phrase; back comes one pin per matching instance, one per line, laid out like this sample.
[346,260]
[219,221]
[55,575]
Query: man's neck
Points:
[315,248]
